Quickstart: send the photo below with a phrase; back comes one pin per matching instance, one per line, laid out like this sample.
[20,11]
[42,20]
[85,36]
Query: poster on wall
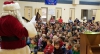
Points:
[50,2]
[51,12]
[94,12]
[44,12]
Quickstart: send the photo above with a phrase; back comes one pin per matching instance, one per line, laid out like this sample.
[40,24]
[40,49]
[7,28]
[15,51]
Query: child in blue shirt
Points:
[68,49]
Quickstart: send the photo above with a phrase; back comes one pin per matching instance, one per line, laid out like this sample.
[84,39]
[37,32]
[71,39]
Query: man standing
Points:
[60,20]
[13,30]
[70,20]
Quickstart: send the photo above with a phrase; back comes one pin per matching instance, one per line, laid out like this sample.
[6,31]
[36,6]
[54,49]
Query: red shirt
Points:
[49,49]
[60,20]
[61,43]
[10,26]
[52,20]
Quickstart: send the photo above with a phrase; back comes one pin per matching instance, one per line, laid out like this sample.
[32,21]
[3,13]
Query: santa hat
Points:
[10,6]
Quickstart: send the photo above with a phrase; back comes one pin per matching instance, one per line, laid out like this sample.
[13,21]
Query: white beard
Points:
[16,14]
[19,17]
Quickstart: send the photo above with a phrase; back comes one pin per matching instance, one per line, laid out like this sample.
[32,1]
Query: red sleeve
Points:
[16,27]
[51,49]
[45,50]
[61,44]
[62,20]
[48,50]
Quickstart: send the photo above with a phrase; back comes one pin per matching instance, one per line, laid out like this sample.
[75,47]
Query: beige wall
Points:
[65,13]
[1,3]
[97,15]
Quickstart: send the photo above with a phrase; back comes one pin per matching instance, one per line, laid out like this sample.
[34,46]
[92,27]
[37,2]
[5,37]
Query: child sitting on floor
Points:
[76,49]
[68,49]
[33,46]
[49,48]
[57,49]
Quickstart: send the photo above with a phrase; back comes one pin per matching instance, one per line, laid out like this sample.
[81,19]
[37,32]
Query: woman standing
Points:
[38,18]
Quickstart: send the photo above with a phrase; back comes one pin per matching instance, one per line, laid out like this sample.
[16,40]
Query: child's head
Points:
[49,42]
[60,35]
[38,30]
[75,37]
[56,45]
[46,38]
[67,37]
[65,32]
[33,41]
[68,46]
[39,33]
[61,38]
[60,28]
[77,47]
[69,34]
[76,31]
[55,38]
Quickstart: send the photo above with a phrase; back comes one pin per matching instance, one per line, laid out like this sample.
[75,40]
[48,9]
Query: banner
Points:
[50,2]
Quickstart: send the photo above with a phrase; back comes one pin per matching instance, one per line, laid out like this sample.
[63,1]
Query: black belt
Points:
[13,38]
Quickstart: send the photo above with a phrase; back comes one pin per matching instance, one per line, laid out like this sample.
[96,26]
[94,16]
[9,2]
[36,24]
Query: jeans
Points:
[35,51]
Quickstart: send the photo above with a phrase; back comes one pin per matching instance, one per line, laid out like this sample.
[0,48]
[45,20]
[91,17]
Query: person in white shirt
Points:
[70,20]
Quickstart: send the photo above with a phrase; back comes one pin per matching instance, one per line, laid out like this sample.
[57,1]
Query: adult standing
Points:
[13,30]
[60,20]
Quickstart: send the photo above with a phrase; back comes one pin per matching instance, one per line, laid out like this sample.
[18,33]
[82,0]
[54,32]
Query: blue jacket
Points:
[65,51]
[68,52]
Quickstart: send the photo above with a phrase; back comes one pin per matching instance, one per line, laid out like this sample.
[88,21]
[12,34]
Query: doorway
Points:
[84,13]
[72,13]
[58,13]
[39,10]
[87,14]
[44,14]
[28,12]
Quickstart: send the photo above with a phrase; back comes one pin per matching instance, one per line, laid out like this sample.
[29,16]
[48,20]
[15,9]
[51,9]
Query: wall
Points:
[83,2]
[1,3]
[65,13]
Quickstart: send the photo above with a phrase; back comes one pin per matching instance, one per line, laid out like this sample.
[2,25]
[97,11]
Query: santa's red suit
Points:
[13,30]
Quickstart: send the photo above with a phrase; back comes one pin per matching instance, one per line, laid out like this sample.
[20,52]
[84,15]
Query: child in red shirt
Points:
[49,48]
[61,39]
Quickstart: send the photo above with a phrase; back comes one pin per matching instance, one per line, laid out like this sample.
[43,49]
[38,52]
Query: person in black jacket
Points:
[57,49]
[44,42]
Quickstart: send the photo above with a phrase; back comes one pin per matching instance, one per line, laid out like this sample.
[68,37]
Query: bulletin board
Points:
[51,12]
[44,12]
[94,12]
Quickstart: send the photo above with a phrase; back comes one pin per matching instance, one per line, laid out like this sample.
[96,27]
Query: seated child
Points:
[61,41]
[68,49]
[49,47]
[33,46]
[44,42]
[57,49]
[55,39]
[76,49]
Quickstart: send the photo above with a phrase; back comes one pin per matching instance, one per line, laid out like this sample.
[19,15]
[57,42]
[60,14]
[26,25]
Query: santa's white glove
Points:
[31,29]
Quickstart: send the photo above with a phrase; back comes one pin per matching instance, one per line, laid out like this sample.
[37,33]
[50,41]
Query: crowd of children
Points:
[60,38]
[57,37]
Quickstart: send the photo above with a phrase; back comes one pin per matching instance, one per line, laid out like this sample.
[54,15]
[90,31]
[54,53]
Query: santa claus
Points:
[13,30]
